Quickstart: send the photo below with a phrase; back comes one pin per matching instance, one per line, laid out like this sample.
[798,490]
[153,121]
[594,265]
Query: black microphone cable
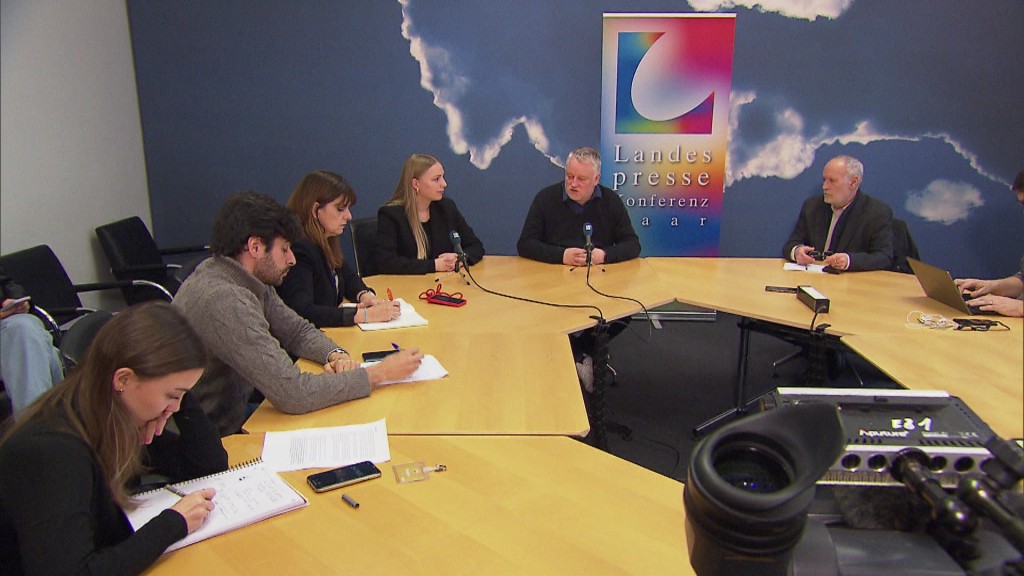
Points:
[457,242]
[599,317]
[588,231]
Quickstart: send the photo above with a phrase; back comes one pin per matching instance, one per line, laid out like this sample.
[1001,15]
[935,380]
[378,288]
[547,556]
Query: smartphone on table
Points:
[377,355]
[445,300]
[344,476]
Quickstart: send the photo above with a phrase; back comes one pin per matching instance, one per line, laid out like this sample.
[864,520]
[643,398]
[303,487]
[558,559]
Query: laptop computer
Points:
[938,285]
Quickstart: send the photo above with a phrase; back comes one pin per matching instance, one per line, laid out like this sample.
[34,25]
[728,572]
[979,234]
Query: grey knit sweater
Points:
[250,333]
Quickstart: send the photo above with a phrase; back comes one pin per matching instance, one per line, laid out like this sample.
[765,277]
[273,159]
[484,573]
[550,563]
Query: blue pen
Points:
[395,346]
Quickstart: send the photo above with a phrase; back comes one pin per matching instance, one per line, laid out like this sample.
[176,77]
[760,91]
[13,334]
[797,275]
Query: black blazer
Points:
[396,246]
[308,288]
[864,231]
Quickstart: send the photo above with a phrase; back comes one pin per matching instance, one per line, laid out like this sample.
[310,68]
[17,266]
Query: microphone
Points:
[588,232]
[457,242]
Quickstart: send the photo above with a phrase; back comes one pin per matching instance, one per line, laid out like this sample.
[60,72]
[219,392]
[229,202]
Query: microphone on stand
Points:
[457,242]
[588,232]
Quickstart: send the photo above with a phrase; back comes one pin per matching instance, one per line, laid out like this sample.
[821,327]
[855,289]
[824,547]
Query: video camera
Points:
[752,507]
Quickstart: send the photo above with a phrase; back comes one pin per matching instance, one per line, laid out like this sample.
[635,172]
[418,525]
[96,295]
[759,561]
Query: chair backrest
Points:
[364,242]
[128,243]
[134,255]
[75,341]
[43,277]
[129,247]
[903,246]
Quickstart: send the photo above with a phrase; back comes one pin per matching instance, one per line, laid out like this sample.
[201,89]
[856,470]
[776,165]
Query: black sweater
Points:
[552,225]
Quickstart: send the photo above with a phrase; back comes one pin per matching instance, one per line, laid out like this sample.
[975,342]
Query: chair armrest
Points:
[95,286]
[72,314]
[51,324]
[166,293]
[146,268]
[183,250]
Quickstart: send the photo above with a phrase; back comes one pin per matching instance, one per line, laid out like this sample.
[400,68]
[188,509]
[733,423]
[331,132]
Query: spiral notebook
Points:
[246,494]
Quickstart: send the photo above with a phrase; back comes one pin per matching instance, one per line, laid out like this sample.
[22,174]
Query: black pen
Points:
[350,500]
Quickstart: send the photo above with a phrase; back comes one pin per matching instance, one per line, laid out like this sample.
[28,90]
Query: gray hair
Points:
[853,166]
[588,155]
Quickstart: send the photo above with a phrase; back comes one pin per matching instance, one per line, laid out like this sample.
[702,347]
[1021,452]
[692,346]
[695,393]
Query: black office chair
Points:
[364,242]
[903,246]
[78,336]
[133,255]
[54,297]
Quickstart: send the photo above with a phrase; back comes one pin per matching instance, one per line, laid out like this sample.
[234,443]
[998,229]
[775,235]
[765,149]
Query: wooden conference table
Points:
[861,303]
[500,381]
[506,505]
[496,384]
[524,278]
[869,311]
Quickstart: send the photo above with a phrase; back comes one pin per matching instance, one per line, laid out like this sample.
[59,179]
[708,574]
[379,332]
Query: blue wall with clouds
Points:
[248,94]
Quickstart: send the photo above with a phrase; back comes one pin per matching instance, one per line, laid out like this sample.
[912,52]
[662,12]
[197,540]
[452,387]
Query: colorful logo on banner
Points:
[665,125]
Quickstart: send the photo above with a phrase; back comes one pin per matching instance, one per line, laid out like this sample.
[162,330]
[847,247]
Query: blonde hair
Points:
[405,196]
[320,187]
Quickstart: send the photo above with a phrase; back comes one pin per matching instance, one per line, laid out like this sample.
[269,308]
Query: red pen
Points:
[390,297]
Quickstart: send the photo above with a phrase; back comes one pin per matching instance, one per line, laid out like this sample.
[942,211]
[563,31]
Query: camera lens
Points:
[749,487]
[752,469]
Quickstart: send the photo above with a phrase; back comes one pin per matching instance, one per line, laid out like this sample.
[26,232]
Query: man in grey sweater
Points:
[250,332]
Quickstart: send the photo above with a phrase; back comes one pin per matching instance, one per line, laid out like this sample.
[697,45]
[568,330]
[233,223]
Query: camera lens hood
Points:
[749,486]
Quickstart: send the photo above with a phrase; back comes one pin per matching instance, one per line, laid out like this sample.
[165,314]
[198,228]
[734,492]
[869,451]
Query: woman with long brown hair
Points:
[321,280]
[71,456]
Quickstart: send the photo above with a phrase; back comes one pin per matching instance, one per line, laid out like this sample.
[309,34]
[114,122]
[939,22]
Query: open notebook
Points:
[246,494]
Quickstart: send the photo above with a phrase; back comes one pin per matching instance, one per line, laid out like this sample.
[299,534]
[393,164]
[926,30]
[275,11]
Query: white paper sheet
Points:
[819,268]
[326,447]
[409,317]
[430,369]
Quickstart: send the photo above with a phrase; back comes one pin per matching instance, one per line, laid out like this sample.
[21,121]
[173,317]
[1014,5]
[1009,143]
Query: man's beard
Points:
[266,272]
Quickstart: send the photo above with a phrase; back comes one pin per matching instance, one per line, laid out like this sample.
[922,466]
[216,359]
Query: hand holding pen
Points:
[194,507]
[383,311]
[395,366]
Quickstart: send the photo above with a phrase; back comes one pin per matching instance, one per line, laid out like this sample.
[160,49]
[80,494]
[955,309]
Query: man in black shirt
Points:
[553,231]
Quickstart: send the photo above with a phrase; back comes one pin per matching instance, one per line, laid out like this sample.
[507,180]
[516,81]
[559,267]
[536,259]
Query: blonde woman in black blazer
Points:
[413,227]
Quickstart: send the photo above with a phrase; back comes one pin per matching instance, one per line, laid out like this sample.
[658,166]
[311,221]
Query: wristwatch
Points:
[339,351]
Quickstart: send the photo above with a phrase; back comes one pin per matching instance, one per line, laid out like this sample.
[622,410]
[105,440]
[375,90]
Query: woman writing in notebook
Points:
[414,226]
[321,279]
[71,455]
